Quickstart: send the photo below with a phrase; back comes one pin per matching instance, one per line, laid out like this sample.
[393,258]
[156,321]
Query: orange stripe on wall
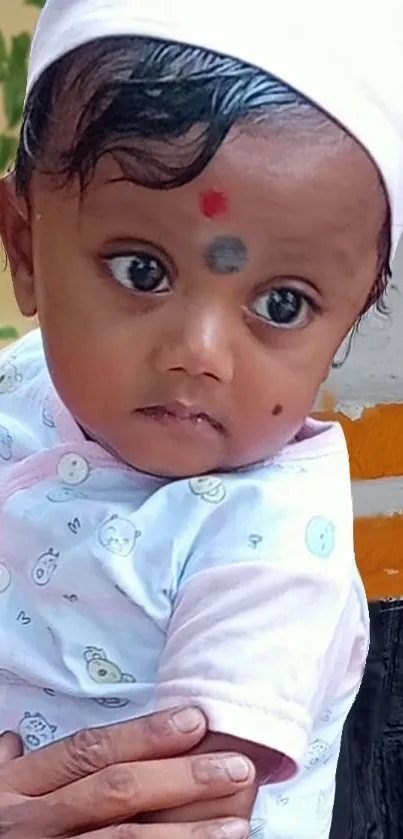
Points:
[375,441]
[379,552]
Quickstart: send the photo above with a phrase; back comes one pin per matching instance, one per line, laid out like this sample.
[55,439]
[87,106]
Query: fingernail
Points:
[238,768]
[235,829]
[187,720]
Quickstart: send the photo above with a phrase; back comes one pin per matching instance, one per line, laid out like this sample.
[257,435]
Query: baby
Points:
[197,238]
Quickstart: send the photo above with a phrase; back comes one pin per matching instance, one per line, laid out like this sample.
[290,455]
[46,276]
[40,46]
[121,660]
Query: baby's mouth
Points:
[181,413]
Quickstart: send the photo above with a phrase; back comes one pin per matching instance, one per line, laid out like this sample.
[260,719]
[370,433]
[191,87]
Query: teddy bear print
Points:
[35,731]
[118,536]
[209,488]
[47,415]
[102,671]
[63,494]
[10,378]
[6,444]
[44,568]
[112,702]
[316,753]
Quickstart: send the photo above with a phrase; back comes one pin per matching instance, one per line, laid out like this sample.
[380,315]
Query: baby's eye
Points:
[284,308]
[140,271]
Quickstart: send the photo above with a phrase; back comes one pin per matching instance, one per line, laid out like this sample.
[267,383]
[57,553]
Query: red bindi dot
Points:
[213,203]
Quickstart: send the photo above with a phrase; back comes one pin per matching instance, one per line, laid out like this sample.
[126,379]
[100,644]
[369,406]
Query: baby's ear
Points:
[15,231]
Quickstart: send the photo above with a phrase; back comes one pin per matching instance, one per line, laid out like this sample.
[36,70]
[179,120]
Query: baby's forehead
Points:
[272,184]
[194,144]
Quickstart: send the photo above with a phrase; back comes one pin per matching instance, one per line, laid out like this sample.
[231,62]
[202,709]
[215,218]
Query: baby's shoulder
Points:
[317,457]
[21,362]
[314,467]
[297,504]
[316,460]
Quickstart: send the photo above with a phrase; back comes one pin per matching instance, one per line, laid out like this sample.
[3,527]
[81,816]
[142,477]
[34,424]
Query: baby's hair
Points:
[161,110]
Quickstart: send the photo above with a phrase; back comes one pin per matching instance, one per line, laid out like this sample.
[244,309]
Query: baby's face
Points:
[189,330]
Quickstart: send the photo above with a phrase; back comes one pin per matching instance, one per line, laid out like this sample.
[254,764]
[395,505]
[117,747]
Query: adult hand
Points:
[10,747]
[96,782]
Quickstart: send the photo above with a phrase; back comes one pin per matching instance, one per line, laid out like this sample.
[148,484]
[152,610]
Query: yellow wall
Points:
[14,17]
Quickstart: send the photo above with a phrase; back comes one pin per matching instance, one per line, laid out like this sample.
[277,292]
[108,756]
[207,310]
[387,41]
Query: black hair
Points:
[161,110]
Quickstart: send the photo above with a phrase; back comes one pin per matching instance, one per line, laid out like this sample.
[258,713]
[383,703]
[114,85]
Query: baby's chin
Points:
[168,463]
[174,456]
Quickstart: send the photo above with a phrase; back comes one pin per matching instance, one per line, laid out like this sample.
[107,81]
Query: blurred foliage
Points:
[13,77]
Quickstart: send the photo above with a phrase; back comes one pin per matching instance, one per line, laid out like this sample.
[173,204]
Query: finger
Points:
[156,736]
[226,829]
[10,747]
[119,793]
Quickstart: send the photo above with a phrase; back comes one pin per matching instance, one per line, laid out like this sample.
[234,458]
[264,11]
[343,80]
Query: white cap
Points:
[346,56]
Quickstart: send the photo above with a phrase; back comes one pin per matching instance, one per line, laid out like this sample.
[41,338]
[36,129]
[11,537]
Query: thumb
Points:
[10,747]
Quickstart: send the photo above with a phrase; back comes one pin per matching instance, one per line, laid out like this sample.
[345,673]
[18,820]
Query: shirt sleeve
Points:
[270,628]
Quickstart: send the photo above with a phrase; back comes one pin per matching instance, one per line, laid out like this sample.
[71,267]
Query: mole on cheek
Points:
[226,255]
[277,410]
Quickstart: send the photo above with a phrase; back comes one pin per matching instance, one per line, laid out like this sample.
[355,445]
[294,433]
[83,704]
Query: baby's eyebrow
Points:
[313,250]
[226,255]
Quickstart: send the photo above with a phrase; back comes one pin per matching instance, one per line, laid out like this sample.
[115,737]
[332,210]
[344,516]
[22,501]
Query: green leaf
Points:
[3,58]
[16,78]
[8,148]
[39,4]
[8,333]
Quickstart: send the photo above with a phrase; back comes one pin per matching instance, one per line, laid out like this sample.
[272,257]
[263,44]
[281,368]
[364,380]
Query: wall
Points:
[366,395]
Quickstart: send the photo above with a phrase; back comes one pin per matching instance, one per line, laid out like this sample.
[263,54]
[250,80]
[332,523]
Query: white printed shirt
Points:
[122,592]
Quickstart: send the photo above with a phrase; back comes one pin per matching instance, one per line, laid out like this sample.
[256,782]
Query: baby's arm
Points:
[265,638]
[264,656]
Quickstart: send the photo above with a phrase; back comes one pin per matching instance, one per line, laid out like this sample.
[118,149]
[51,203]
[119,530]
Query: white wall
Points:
[373,371]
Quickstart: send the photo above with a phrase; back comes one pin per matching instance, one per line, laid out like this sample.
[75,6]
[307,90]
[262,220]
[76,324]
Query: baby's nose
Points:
[199,345]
